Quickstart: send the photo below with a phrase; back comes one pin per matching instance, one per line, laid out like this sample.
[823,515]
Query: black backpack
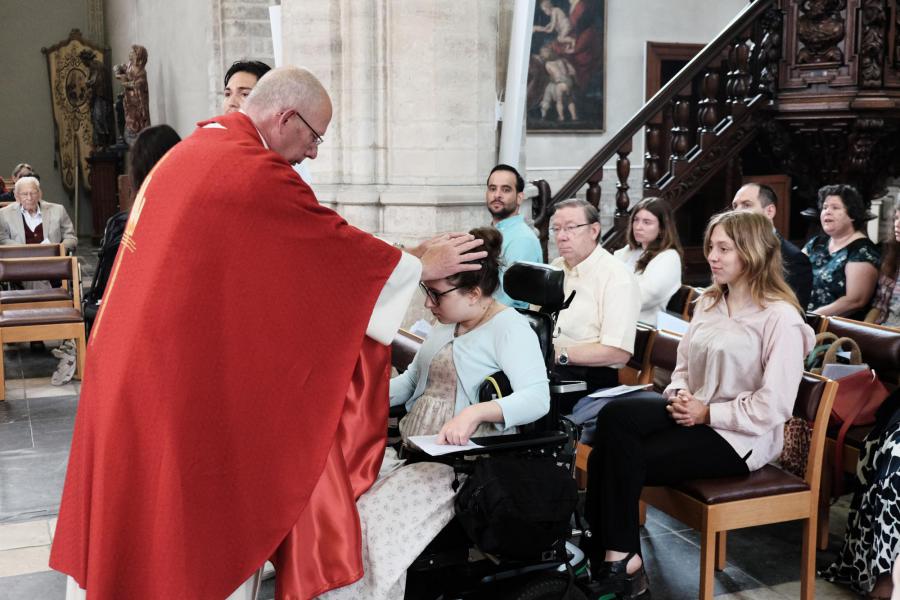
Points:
[517,507]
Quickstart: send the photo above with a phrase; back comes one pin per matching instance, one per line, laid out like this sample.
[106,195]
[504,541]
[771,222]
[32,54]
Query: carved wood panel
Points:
[820,43]
[892,63]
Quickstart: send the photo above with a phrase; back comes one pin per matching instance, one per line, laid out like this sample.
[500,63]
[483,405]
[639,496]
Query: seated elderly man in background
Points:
[595,335]
[21,170]
[32,220]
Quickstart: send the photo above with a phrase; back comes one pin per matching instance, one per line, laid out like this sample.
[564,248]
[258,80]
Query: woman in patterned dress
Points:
[872,540]
[845,262]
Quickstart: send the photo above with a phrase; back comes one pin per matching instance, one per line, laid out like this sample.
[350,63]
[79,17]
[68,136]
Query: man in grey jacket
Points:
[31,220]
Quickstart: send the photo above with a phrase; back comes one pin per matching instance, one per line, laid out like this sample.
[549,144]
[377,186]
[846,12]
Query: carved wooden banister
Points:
[732,40]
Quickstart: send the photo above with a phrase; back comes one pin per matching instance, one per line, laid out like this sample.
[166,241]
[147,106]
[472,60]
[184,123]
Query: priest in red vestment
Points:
[235,402]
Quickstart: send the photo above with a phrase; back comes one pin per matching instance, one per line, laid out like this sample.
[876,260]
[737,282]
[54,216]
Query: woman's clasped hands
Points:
[687,410]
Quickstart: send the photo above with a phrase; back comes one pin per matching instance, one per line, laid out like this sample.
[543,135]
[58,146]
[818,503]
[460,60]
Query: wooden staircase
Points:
[783,73]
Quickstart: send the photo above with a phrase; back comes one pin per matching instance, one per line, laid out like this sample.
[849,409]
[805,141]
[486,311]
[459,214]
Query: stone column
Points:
[240,31]
[414,87]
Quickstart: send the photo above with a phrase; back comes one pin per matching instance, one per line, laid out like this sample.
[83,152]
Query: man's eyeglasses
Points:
[568,229]
[318,139]
[434,295]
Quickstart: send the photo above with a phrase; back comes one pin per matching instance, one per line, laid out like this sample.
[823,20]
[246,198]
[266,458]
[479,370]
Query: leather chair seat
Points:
[39,316]
[768,481]
[22,296]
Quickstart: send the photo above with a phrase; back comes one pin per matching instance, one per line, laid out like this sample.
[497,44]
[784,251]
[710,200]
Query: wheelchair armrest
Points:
[516,441]
[397,412]
[491,444]
[566,387]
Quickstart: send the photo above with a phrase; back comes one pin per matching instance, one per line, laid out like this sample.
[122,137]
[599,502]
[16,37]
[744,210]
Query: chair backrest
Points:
[817,322]
[640,359]
[681,301]
[698,291]
[663,357]
[880,346]
[38,269]
[63,268]
[404,348]
[31,250]
[815,397]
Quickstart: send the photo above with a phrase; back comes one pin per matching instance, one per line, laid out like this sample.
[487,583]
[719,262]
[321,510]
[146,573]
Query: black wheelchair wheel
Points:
[547,588]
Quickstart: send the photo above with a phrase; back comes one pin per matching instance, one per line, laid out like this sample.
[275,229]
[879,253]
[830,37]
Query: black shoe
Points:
[612,578]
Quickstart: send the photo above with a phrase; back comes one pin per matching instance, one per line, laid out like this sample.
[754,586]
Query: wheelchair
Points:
[453,566]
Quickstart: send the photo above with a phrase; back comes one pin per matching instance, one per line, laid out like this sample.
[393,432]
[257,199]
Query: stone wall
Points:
[26,120]
[240,30]
[414,88]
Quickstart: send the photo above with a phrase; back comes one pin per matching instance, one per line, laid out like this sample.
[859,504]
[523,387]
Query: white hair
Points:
[28,180]
[281,89]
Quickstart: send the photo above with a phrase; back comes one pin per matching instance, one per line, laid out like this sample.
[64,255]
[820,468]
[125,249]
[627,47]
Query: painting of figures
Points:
[566,70]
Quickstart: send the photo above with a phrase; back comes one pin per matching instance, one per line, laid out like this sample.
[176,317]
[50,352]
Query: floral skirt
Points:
[399,516]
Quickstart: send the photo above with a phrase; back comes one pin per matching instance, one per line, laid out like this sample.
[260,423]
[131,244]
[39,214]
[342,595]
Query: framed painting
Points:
[566,70]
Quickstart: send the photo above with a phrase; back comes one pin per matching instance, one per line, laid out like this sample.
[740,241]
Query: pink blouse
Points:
[747,367]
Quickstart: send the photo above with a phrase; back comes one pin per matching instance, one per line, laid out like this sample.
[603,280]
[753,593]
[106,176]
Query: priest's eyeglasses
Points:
[318,139]
[434,295]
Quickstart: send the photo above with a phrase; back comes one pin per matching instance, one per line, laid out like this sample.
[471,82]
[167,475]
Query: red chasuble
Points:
[233,409]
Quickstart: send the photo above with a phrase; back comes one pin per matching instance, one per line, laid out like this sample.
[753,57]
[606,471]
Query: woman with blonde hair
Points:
[736,378]
[654,254]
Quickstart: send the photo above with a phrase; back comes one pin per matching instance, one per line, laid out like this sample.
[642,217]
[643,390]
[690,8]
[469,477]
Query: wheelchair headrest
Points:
[535,283]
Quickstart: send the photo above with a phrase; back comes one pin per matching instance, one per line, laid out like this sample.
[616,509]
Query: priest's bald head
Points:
[292,110]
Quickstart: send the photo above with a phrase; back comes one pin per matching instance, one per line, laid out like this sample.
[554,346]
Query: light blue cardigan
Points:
[505,343]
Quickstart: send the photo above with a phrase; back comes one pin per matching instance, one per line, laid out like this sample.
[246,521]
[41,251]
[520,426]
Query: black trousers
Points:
[639,444]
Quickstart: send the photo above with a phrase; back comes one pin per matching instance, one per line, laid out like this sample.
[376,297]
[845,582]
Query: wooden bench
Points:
[41,324]
[15,267]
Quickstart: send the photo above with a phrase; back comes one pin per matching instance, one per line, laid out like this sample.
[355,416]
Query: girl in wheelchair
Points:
[476,336]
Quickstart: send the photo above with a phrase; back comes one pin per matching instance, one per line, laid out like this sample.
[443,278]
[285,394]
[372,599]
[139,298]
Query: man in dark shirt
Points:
[760,198]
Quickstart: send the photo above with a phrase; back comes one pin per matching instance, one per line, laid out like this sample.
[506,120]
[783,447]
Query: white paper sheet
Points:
[426,443]
[619,390]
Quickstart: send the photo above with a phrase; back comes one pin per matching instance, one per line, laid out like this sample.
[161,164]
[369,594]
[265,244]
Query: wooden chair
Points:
[880,347]
[637,369]
[28,251]
[768,495]
[404,348]
[693,303]
[681,302]
[31,250]
[40,324]
[21,269]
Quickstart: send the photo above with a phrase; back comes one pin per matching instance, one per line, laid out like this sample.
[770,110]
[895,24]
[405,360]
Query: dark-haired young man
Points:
[504,195]
[240,79]
[761,199]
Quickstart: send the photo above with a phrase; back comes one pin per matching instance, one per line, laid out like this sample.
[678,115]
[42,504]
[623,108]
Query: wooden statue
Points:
[133,77]
[100,98]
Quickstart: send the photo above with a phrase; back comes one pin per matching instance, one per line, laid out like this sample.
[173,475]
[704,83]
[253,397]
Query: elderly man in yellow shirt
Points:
[595,335]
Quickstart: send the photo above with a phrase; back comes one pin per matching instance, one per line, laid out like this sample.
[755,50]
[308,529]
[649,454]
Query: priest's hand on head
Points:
[448,254]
